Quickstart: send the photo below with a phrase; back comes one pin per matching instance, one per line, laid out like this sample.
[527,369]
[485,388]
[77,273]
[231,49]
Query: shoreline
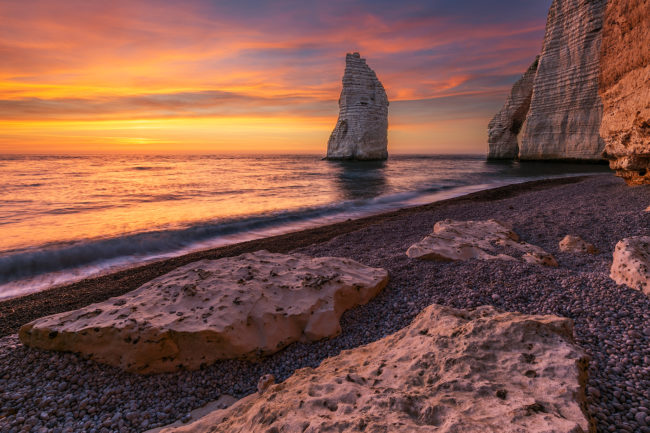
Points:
[17,311]
[611,322]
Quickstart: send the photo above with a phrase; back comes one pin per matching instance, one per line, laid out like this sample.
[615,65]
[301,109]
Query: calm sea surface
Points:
[63,218]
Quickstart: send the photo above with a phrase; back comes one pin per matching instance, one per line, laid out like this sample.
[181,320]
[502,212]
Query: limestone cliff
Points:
[563,121]
[505,126]
[625,88]
[362,126]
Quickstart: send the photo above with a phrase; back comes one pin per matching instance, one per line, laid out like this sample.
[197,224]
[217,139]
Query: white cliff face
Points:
[362,126]
[565,110]
[505,126]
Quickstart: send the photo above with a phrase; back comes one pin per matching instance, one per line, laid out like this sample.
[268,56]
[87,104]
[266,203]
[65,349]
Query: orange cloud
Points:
[120,61]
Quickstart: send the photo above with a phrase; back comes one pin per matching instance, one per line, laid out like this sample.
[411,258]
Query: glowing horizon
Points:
[245,77]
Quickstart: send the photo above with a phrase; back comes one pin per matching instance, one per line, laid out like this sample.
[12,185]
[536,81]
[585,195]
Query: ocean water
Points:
[64,218]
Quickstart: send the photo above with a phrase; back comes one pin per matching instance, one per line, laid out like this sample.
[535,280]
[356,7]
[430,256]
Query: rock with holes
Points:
[483,240]
[577,245]
[234,307]
[362,127]
[631,265]
[448,371]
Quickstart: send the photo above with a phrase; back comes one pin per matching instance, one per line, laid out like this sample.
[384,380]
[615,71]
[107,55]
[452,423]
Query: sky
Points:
[208,76]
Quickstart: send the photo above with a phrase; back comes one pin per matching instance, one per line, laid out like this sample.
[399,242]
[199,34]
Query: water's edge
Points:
[33,271]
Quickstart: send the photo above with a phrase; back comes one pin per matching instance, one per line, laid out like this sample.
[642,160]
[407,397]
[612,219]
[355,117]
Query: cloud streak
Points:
[88,60]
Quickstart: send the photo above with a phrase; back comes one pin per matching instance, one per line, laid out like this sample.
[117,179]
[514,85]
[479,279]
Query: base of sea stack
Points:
[354,158]
[551,160]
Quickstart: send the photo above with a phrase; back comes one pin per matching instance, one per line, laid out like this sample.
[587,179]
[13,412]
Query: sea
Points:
[66,218]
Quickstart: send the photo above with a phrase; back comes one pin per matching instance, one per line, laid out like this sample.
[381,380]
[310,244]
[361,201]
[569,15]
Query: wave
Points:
[35,269]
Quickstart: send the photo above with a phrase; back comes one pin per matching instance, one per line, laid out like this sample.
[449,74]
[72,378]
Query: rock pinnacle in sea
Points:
[362,126]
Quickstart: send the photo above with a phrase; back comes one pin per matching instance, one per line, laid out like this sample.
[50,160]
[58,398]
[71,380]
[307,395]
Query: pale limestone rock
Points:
[245,306]
[575,244]
[362,127]
[449,371]
[483,240]
[625,89]
[631,264]
[505,126]
[264,382]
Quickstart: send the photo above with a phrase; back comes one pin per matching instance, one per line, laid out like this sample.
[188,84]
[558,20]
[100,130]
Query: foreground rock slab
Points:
[577,245]
[245,306]
[361,131]
[631,265]
[484,240]
[449,371]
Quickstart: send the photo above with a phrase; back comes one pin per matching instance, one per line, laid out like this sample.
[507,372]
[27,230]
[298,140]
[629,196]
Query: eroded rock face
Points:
[565,112]
[577,245]
[244,306]
[625,89]
[362,127]
[483,240]
[631,265]
[449,371]
[505,126]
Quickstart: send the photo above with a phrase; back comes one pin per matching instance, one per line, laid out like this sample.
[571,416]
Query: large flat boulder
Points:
[631,264]
[483,240]
[449,371]
[236,307]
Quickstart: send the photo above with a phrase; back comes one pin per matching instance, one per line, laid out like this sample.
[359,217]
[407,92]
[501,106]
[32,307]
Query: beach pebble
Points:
[612,322]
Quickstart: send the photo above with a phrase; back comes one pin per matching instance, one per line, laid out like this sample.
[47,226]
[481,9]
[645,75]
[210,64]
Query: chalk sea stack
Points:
[625,89]
[362,127]
[563,119]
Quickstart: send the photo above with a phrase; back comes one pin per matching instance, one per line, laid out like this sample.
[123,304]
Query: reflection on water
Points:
[512,168]
[64,218]
[360,179]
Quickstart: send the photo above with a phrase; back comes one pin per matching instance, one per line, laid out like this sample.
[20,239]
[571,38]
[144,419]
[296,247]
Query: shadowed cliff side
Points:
[505,126]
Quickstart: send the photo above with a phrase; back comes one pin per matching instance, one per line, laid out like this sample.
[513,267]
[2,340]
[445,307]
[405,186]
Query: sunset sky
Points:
[253,77]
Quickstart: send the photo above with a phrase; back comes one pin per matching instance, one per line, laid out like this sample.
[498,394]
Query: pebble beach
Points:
[62,392]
